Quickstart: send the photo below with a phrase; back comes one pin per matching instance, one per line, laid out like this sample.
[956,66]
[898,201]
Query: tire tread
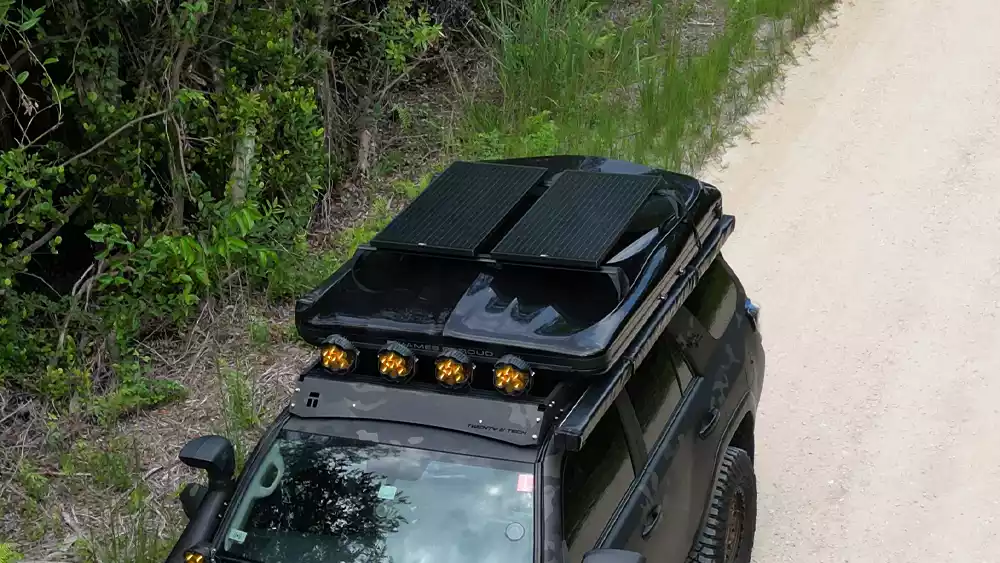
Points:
[709,547]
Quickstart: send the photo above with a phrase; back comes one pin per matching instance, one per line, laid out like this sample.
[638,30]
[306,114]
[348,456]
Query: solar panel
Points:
[577,221]
[460,209]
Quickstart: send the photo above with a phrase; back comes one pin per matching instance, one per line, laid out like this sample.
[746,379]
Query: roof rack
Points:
[522,422]
[578,424]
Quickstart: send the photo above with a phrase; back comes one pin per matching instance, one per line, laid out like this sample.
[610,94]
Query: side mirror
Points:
[191,496]
[613,556]
[215,455]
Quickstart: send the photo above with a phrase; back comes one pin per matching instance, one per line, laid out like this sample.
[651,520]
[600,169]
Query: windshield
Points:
[319,498]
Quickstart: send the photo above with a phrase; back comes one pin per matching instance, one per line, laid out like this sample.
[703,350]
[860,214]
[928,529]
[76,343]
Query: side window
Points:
[595,480]
[713,301]
[655,390]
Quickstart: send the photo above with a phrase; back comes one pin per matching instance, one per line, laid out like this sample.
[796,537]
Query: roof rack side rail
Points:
[598,398]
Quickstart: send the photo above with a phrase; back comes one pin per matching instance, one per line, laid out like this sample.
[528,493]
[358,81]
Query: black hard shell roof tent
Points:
[559,260]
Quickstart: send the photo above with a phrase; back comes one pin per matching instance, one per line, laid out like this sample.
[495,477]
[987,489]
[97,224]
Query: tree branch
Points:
[404,74]
[326,87]
[113,134]
[51,232]
[175,74]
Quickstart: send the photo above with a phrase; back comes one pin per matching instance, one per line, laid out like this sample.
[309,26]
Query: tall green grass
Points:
[572,80]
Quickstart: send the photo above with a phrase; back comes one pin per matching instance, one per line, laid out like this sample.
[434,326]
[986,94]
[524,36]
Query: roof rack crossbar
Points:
[598,398]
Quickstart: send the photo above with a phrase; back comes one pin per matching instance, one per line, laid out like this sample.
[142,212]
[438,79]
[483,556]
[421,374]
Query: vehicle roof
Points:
[557,259]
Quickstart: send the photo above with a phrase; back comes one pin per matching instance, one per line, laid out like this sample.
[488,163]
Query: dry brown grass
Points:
[48,510]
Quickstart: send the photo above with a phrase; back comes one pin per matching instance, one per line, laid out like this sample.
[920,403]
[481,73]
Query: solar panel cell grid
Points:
[459,210]
[577,221]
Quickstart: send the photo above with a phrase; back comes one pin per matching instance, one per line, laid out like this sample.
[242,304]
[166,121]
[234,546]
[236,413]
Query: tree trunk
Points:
[243,156]
[327,88]
[175,134]
[178,174]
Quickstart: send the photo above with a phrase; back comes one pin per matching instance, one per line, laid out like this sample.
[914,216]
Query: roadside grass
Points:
[80,491]
[242,411]
[132,539]
[665,83]
[667,87]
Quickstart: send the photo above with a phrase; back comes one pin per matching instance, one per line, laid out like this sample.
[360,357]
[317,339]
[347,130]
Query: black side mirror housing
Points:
[191,496]
[613,556]
[213,454]
[203,505]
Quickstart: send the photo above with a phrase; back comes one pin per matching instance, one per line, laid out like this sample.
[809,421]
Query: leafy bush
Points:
[154,154]
[8,555]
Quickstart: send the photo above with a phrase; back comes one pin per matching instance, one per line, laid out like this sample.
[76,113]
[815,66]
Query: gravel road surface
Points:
[868,227]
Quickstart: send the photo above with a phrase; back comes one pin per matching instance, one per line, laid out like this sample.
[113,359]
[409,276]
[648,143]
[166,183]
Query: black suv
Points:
[539,360]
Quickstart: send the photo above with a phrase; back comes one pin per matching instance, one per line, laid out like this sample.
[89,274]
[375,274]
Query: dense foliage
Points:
[154,154]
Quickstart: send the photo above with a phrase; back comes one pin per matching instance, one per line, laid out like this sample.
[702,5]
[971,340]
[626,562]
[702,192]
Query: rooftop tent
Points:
[554,258]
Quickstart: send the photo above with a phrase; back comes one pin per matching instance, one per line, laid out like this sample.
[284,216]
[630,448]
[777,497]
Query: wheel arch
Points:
[743,438]
[738,434]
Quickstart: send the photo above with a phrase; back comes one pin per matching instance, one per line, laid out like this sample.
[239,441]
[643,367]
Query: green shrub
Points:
[164,153]
[8,555]
[112,465]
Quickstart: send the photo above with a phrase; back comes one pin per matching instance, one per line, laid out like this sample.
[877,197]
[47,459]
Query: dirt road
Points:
[868,226]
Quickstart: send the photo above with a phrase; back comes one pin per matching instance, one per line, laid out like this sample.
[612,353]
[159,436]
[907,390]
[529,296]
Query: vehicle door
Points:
[712,339]
[657,517]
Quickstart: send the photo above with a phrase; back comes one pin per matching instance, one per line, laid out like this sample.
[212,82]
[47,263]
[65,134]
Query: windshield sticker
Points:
[525,482]
[387,492]
[238,536]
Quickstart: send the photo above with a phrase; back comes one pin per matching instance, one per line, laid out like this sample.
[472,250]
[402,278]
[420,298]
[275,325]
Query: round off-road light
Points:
[396,362]
[339,355]
[453,369]
[512,376]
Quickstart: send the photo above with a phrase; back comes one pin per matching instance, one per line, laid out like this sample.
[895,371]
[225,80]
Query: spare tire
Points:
[727,536]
